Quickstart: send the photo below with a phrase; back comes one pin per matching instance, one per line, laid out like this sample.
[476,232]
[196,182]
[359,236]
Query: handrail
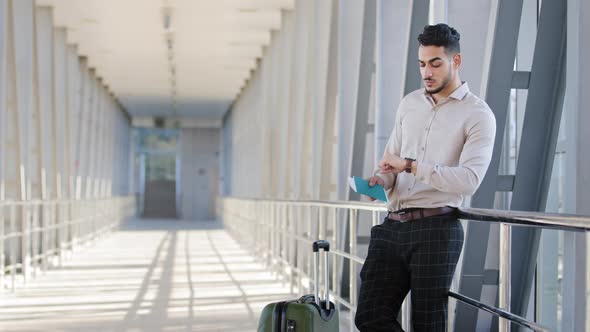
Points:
[35,234]
[499,312]
[278,208]
[568,222]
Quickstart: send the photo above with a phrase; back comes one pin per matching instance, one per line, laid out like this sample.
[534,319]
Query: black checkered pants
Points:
[419,255]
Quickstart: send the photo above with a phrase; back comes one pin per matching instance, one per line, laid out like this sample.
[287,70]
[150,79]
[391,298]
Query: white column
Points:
[438,11]
[393,24]
[83,128]
[22,33]
[470,19]
[101,138]
[327,185]
[3,83]
[72,119]
[319,84]
[61,130]
[285,103]
[93,130]
[132,169]
[350,24]
[265,74]
[303,27]
[113,128]
[44,88]
[274,112]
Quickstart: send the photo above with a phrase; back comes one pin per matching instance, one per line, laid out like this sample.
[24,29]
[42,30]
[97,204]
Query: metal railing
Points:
[281,233]
[38,234]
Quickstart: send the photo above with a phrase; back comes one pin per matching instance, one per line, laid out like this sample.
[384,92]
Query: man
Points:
[438,152]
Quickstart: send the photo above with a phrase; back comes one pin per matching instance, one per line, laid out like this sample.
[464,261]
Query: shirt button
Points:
[422,178]
[409,189]
[422,148]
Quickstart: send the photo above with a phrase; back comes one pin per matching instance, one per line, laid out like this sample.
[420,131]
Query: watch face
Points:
[408,167]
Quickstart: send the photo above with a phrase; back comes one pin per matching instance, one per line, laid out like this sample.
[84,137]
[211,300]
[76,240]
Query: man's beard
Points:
[443,85]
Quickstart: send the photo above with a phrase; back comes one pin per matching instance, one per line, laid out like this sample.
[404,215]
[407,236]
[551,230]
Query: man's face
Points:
[436,67]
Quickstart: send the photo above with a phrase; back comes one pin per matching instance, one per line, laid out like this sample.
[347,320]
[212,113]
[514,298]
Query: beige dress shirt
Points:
[452,142]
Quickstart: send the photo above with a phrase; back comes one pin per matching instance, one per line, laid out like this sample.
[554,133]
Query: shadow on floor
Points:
[168,225]
[152,275]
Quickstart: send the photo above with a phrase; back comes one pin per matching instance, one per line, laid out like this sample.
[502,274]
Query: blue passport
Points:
[362,187]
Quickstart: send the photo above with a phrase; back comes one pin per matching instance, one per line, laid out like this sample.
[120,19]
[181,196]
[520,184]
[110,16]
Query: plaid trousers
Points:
[420,255]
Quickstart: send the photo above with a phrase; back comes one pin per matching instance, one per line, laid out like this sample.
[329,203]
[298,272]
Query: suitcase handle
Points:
[323,244]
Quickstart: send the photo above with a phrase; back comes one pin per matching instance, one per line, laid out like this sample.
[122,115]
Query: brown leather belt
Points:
[419,213]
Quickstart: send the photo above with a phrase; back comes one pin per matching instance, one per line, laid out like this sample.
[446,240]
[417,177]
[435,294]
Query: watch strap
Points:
[408,166]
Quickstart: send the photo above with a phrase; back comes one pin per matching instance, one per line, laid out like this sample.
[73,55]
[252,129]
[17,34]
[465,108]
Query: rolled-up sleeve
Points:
[475,158]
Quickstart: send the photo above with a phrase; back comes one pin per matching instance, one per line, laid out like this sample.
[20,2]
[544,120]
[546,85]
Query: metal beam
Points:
[497,92]
[520,79]
[540,132]
[505,183]
[361,119]
[418,21]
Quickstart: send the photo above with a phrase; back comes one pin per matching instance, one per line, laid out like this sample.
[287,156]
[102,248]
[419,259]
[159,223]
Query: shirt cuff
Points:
[424,172]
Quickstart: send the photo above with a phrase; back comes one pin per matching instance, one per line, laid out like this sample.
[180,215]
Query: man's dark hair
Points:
[441,35]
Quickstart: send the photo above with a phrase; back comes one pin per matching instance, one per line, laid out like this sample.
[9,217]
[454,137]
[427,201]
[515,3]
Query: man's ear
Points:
[457,60]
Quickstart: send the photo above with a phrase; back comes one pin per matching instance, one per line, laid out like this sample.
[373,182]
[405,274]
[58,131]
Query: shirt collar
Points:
[458,94]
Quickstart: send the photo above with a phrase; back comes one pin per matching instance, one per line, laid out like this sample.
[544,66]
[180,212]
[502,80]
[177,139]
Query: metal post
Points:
[504,282]
[34,233]
[45,220]
[25,241]
[309,236]
[292,245]
[326,279]
[334,245]
[322,236]
[2,241]
[13,244]
[352,278]
[322,222]
[407,313]
[316,288]
[299,260]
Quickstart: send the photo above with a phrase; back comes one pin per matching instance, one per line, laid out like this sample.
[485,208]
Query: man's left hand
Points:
[391,164]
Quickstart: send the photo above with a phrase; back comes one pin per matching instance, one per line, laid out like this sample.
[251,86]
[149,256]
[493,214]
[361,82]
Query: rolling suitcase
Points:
[308,313]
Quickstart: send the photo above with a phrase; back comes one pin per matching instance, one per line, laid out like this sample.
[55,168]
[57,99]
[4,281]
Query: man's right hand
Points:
[373,180]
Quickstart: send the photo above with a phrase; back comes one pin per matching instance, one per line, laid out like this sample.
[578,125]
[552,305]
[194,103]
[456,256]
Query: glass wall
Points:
[157,164]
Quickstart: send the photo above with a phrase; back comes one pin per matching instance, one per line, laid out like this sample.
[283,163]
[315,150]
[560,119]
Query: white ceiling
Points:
[215,46]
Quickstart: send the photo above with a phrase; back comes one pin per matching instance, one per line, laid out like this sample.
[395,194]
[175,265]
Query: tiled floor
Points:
[151,275]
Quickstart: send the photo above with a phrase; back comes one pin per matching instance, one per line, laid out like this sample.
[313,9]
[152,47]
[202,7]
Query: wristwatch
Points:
[408,167]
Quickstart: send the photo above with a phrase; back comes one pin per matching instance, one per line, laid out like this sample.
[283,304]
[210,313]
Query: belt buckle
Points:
[401,214]
[398,213]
